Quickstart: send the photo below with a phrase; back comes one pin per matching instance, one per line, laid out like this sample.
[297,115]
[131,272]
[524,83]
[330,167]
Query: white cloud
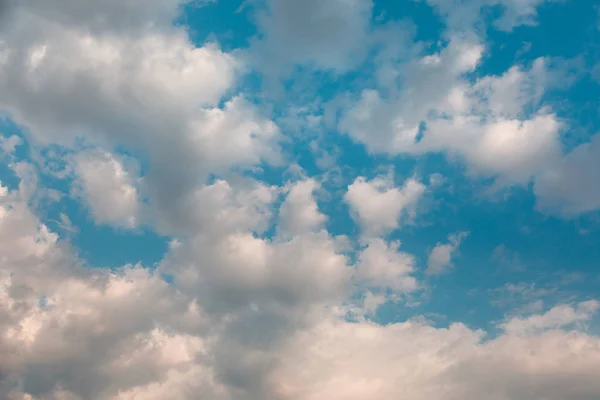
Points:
[484,122]
[108,188]
[69,331]
[417,361]
[78,71]
[226,262]
[433,83]
[233,270]
[371,302]
[109,80]
[219,208]
[262,287]
[235,135]
[496,125]
[440,258]
[511,150]
[382,265]
[377,205]
[557,317]
[300,213]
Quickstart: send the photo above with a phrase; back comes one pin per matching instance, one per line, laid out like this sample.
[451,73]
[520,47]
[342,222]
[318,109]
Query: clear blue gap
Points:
[214,21]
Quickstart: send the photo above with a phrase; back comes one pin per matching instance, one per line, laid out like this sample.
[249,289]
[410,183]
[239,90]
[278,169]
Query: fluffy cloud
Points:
[228,261]
[440,258]
[300,213]
[223,207]
[378,205]
[70,332]
[382,265]
[495,124]
[483,122]
[418,361]
[433,83]
[114,83]
[73,71]
[109,189]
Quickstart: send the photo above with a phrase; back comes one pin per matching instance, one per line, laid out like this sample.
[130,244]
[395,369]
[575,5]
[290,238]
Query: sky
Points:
[299,199]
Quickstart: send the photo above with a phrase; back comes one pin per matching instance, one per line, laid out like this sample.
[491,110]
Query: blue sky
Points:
[277,176]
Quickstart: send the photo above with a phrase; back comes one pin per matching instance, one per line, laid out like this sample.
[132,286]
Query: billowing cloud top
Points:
[299,200]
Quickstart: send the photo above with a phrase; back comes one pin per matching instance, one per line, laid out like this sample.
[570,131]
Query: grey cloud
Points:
[571,186]
[326,35]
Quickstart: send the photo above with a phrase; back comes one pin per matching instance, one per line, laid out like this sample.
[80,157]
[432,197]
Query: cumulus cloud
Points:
[497,125]
[378,205]
[72,71]
[228,262]
[108,188]
[440,258]
[433,82]
[483,122]
[382,265]
[109,80]
[253,299]
[71,332]
[300,213]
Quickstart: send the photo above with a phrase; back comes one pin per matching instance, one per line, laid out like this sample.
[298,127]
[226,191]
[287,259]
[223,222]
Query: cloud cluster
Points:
[256,295]
[497,125]
[73,333]
[112,76]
